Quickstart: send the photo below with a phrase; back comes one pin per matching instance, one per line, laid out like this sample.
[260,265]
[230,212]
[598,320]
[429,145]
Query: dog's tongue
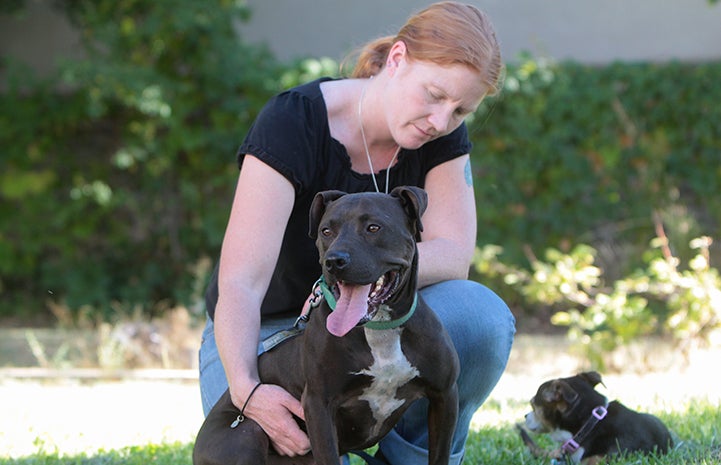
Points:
[349,309]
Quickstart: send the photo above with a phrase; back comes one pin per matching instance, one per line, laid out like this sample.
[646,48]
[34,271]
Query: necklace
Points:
[365,145]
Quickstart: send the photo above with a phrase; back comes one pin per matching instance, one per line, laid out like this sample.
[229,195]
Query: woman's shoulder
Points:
[291,133]
[453,144]
[310,90]
[302,103]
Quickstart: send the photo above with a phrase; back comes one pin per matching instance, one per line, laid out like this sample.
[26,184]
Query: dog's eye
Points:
[326,232]
[373,228]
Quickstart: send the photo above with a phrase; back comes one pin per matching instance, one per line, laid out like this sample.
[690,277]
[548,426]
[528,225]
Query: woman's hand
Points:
[274,409]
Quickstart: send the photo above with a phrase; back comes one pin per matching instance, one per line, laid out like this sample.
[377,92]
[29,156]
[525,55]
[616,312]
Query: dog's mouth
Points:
[356,304]
[381,291]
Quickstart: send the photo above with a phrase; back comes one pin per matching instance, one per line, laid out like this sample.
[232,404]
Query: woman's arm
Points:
[449,223]
[259,215]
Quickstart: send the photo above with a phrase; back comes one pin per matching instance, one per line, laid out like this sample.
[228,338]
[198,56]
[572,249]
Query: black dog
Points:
[589,427]
[369,349]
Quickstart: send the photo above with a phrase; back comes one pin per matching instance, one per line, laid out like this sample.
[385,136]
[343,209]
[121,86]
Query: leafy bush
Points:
[571,154]
[590,164]
[664,298]
[117,174]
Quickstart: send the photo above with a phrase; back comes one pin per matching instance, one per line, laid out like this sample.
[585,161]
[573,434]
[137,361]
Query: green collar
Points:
[390,324]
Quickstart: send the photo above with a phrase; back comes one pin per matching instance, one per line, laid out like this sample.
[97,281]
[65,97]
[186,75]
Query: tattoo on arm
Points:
[467,173]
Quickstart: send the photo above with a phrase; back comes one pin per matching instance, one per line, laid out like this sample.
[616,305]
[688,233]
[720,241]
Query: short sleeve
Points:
[285,136]
[445,148]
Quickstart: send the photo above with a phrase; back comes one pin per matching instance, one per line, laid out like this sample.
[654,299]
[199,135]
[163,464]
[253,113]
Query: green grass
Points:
[696,429]
[160,454]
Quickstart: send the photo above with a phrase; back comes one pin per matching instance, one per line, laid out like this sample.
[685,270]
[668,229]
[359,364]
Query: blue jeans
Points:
[482,329]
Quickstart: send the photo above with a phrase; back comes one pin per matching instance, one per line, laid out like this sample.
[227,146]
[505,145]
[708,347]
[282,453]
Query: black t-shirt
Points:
[291,135]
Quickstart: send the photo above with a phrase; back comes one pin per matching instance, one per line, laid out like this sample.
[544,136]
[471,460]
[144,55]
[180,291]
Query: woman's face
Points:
[425,101]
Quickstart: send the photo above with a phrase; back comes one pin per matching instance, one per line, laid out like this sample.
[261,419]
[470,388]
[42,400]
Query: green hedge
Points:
[574,154]
[116,175]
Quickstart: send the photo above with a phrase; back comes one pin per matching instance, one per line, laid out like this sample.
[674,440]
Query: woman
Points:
[397,121]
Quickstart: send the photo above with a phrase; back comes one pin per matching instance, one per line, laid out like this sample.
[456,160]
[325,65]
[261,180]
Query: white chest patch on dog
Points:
[390,370]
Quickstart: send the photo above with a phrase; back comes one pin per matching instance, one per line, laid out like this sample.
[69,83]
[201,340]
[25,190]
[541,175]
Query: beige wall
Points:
[38,36]
[591,31]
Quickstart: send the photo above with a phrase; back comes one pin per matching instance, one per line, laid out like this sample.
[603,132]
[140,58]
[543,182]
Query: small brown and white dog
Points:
[586,425]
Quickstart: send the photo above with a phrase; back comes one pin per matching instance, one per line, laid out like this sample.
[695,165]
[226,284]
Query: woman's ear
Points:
[396,55]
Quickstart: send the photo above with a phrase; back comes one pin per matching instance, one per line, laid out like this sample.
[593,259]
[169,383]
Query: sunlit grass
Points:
[696,427]
[157,454]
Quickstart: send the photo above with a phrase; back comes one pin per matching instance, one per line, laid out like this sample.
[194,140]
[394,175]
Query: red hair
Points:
[445,33]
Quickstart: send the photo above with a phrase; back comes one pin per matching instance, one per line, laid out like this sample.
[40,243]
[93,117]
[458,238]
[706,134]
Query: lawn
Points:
[696,430]
[696,427]
[142,422]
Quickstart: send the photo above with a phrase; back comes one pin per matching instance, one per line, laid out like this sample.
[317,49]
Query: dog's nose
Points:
[337,261]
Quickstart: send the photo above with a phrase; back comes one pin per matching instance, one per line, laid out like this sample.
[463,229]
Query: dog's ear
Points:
[414,201]
[592,377]
[560,391]
[317,208]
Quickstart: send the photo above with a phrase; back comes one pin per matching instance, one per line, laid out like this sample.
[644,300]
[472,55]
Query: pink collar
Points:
[573,444]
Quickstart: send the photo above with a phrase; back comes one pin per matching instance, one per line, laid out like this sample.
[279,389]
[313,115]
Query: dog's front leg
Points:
[442,417]
[321,429]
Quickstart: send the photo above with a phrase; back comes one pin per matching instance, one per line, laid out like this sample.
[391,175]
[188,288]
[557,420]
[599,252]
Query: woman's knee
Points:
[481,327]
[471,313]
